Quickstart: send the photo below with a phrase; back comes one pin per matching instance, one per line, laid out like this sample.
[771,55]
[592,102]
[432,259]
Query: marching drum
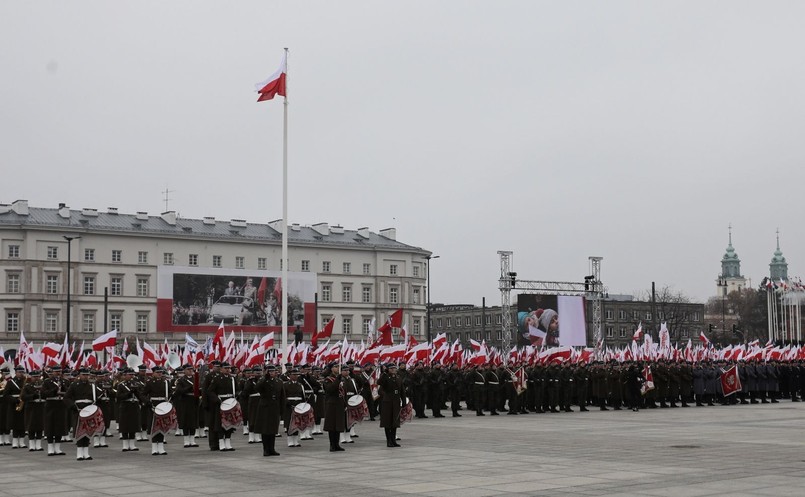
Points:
[302,418]
[165,419]
[406,413]
[357,409]
[231,414]
[90,422]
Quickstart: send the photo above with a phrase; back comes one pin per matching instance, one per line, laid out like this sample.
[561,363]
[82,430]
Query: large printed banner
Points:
[192,299]
[551,320]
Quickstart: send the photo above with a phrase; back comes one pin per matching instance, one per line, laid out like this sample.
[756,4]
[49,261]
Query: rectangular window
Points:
[609,314]
[439,322]
[325,319]
[610,332]
[622,332]
[347,268]
[142,287]
[648,315]
[467,321]
[89,255]
[416,295]
[116,286]
[366,323]
[695,317]
[262,263]
[216,261]
[13,251]
[367,268]
[142,257]
[416,271]
[622,315]
[240,262]
[498,319]
[142,322]
[12,321]
[394,295]
[116,321]
[281,263]
[53,253]
[393,270]
[88,322]
[89,285]
[346,293]
[305,266]
[51,322]
[117,256]
[417,327]
[488,319]
[635,315]
[684,333]
[477,320]
[346,325]
[326,293]
[167,258]
[12,283]
[325,266]
[448,322]
[366,294]
[192,260]
[52,284]
[458,322]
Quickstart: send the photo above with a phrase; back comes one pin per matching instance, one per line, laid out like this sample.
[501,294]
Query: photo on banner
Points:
[551,320]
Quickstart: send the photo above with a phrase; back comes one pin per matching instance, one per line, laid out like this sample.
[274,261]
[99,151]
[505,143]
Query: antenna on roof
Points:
[167,197]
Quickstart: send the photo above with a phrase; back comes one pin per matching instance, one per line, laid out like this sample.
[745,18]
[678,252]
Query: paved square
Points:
[704,451]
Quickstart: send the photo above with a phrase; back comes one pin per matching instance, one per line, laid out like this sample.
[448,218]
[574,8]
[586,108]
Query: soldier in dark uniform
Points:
[185,399]
[79,395]
[309,386]
[492,389]
[34,410]
[127,396]
[478,389]
[436,381]
[392,398]
[552,388]
[53,390]
[210,411]
[318,406]
[156,391]
[269,409]
[222,387]
[634,380]
[661,380]
[366,391]
[5,438]
[294,394]
[615,385]
[566,387]
[538,380]
[15,418]
[334,406]
[455,383]
[699,384]
[104,389]
[581,380]
[145,409]
[419,386]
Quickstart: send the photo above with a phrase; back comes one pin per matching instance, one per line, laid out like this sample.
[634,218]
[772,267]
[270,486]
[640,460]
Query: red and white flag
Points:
[392,353]
[703,338]
[105,340]
[730,381]
[638,334]
[440,340]
[51,350]
[275,84]
[326,332]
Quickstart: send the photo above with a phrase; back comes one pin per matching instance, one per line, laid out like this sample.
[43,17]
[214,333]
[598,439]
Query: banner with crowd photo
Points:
[551,320]
[193,299]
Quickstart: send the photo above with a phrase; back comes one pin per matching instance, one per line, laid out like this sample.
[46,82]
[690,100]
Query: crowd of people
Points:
[52,407]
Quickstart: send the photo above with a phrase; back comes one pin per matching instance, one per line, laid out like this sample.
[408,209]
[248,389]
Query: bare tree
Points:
[673,308]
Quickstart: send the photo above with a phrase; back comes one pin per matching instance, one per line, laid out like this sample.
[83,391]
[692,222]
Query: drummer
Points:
[103,387]
[316,381]
[185,398]
[79,395]
[351,389]
[294,394]
[310,396]
[156,391]
[222,387]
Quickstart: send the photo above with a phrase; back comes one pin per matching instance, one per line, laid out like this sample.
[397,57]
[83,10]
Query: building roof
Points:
[19,215]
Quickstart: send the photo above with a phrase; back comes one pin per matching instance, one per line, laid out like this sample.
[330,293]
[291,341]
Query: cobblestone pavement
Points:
[735,451]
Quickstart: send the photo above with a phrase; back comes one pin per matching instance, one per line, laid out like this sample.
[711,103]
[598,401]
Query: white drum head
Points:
[355,401]
[88,411]
[228,404]
[302,408]
[163,408]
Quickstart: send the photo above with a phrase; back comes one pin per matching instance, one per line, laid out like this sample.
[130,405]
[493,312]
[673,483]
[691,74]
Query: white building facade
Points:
[143,262]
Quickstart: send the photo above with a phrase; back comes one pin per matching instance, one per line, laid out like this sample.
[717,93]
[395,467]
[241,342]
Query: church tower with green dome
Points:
[778,269]
[730,279]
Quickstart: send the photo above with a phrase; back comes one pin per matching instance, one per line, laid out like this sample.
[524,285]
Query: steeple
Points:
[730,278]
[730,263]
[778,269]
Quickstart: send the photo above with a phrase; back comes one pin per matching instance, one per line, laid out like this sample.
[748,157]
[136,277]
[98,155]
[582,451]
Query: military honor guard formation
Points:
[53,407]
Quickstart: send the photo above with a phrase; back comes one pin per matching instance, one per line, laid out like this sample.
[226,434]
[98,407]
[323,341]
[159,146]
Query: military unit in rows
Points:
[87,407]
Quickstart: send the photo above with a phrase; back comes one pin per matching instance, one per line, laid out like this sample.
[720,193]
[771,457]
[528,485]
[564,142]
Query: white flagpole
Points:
[285,285]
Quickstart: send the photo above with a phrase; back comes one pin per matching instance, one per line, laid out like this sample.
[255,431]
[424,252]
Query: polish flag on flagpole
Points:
[276,83]
[105,340]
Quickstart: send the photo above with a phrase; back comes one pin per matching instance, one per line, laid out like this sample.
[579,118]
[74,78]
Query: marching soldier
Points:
[15,418]
[294,394]
[221,388]
[155,392]
[127,397]
[53,389]
[269,410]
[79,395]
[392,398]
[34,406]
[185,398]
[335,404]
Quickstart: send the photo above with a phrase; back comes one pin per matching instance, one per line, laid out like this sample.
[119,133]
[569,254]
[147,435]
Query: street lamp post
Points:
[69,261]
[429,257]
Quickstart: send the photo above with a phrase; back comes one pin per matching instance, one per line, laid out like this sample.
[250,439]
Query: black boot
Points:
[389,438]
[393,437]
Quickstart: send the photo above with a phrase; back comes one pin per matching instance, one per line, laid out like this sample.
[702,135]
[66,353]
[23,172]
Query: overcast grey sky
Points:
[635,131]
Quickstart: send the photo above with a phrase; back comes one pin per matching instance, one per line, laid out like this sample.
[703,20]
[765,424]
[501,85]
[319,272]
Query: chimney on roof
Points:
[390,233]
[321,228]
[20,207]
[337,229]
[64,211]
[238,223]
[87,212]
[276,224]
[296,227]
[169,217]
[209,220]
[112,210]
[142,216]
[363,232]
